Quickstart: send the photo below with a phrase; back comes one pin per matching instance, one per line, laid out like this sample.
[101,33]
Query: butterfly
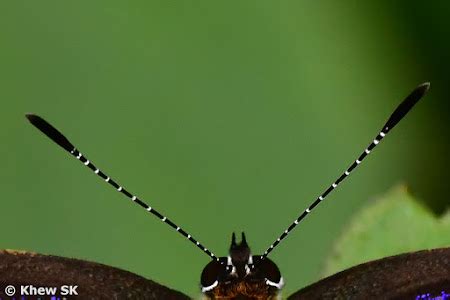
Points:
[240,274]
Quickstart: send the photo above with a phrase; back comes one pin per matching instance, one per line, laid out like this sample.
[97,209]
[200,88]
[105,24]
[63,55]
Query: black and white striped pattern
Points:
[61,140]
[396,116]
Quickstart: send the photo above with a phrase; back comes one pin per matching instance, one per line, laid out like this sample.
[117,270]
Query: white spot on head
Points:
[233,271]
[250,259]
[279,285]
[210,287]
[247,269]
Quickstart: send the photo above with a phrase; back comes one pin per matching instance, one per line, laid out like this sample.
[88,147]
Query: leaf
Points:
[392,224]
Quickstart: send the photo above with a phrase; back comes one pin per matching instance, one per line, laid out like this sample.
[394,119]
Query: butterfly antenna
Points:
[393,120]
[62,141]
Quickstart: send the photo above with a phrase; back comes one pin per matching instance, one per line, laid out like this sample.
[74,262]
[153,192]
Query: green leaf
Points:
[392,224]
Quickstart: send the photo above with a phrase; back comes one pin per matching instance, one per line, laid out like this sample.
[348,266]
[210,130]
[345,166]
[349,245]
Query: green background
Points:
[225,116]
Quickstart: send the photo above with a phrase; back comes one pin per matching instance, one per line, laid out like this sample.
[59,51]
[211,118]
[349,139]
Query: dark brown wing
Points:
[94,281]
[403,276]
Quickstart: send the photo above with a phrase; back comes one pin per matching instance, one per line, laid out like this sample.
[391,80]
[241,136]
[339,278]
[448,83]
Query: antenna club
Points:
[57,137]
[402,109]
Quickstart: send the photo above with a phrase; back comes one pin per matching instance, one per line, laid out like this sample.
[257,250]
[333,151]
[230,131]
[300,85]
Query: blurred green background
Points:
[225,116]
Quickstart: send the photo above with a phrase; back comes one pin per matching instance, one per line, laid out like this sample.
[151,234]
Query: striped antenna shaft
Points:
[62,141]
[396,116]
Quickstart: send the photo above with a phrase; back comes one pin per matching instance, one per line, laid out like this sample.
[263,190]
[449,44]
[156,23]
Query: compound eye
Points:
[211,275]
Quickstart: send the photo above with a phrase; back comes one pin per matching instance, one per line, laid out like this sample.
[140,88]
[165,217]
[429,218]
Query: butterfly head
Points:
[241,275]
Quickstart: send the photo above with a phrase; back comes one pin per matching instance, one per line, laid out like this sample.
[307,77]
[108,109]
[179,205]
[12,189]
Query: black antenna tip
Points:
[31,117]
[50,131]
[421,89]
[406,106]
